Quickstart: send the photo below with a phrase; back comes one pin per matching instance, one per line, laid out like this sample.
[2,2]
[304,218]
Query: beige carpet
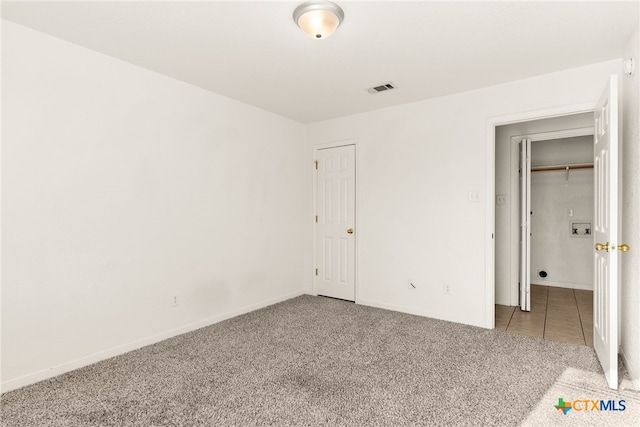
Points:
[312,361]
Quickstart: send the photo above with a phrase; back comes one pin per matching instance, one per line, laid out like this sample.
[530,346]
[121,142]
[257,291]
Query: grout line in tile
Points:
[545,323]
[546,310]
[511,317]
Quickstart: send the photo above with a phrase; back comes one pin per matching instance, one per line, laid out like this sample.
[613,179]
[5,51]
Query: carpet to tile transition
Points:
[310,361]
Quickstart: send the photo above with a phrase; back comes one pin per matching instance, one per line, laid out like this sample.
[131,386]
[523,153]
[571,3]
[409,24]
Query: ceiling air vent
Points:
[381,88]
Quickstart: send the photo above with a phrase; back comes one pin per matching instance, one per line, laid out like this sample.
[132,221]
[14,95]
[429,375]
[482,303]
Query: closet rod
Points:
[561,167]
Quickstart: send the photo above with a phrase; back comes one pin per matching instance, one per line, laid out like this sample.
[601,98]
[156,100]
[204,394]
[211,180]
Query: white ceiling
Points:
[254,52]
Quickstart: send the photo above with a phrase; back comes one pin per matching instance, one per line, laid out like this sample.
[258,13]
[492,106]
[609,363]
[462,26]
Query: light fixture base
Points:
[318,18]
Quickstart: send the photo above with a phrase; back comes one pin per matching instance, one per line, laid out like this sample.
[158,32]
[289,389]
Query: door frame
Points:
[524,200]
[490,175]
[316,148]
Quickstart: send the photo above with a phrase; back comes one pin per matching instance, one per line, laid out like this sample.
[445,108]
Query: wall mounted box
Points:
[581,229]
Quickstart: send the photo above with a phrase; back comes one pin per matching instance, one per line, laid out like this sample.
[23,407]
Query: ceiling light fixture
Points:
[318,19]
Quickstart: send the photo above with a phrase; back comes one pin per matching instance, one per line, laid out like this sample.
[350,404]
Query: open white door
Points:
[335,222]
[605,294]
[525,224]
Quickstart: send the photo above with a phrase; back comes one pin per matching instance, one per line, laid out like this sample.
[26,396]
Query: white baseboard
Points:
[395,308]
[635,378]
[413,311]
[115,351]
[504,301]
[563,285]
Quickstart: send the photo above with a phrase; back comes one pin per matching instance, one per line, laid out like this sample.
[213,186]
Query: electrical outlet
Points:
[447,289]
[411,285]
[175,301]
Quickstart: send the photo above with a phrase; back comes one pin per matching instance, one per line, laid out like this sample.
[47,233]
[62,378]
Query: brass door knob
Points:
[624,247]
[600,246]
[350,230]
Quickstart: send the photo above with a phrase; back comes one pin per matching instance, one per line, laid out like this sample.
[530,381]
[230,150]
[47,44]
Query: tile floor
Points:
[557,314]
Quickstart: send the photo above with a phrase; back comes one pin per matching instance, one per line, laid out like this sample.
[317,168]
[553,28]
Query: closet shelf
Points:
[561,167]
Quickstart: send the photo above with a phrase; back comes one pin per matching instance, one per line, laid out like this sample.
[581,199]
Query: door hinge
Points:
[316,271]
[316,163]
[316,218]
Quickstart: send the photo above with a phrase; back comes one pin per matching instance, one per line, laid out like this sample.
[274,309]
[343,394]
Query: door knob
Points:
[624,247]
[600,246]
[350,230]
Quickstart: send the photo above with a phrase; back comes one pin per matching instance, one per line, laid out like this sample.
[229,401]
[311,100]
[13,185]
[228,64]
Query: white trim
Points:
[547,113]
[580,286]
[444,316]
[115,351]
[490,158]
[558,134]
[635,378]
[505,302]
[514,219]
[490,225]
[315,149]
[525,219]
[400,309]
[334,144]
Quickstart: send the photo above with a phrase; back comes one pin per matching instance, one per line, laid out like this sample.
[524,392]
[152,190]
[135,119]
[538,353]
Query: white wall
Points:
[122,187]
[507,215]
[567,259]
[578,149]
[630,292]
[416,165]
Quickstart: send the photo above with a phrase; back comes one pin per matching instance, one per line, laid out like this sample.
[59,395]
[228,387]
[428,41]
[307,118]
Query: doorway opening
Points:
[606,123]
[543,228]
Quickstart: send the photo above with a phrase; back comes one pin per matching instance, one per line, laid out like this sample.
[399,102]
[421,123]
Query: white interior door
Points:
[525,225]
[335,222]
[605,294]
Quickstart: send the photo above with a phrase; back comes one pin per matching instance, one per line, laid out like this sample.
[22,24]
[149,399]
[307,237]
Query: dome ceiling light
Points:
[318,19]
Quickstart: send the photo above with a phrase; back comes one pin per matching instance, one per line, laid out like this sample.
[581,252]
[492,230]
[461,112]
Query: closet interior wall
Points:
[562,213]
